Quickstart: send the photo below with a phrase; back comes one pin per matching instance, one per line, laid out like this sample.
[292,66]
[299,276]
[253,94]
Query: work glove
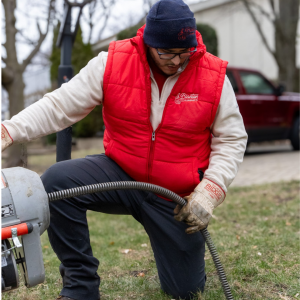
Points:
[6,139]
[200,204]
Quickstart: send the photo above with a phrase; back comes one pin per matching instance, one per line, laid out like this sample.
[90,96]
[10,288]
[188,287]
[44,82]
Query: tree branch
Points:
[258,26]
[31,16]
[272,6]
[27,40]
[103,26]
[92,8]
[42,37]
[75,4]
[147,6]
[274,19]
[10,33]
[32,43]
[263,12]
[106,9]
[102,6]
[43,64]
[39,28]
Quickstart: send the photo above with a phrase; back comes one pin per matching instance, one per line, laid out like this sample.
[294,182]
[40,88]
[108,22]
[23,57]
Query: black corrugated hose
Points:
[133,185]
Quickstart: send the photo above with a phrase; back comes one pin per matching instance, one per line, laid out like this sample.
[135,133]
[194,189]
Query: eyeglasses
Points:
[163,55]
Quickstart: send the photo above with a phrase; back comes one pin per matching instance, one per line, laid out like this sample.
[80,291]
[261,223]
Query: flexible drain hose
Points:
[133,185]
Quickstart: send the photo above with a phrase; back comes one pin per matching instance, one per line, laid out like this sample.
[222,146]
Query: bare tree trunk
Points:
[12,78]
[16,94]
[98,10]
[17,153]
[12,74]
[285,27]
[285,41]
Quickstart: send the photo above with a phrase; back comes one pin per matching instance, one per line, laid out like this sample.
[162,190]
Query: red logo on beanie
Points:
[184,32]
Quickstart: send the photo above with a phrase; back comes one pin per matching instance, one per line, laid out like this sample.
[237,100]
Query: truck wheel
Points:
[295,134]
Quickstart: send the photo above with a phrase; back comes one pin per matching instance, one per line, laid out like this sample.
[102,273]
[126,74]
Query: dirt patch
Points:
[283,199]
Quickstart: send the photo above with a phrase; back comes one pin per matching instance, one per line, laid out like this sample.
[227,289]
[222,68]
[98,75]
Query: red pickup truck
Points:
[269,113]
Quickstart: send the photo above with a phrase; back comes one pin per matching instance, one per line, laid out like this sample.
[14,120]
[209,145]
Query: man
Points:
[173,124]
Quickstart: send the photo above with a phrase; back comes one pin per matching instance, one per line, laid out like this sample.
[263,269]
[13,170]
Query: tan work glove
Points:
[200,204]
[6,139]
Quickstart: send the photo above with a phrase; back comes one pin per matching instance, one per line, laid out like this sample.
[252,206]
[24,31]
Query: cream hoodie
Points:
[75,99]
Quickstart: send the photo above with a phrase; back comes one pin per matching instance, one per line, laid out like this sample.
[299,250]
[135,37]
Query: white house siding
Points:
[238,39]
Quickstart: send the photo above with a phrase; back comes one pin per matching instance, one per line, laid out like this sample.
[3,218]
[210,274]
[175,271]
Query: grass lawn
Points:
[256,231]
[40,163]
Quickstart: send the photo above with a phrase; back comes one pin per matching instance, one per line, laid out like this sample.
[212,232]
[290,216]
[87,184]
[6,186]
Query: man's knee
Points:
[59,176]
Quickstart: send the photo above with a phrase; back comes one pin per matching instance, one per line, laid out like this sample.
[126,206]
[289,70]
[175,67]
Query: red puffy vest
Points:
[173,155]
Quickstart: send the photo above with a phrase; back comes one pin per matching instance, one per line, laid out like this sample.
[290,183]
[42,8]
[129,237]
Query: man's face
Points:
[168,66]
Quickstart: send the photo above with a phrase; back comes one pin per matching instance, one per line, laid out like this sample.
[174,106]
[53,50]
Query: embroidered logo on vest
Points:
[184,32]
[182,97]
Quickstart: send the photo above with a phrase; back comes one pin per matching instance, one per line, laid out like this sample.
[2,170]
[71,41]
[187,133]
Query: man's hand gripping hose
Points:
[200,204]
[185,204]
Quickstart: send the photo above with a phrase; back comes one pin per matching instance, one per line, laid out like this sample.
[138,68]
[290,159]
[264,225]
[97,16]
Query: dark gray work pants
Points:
[179,257]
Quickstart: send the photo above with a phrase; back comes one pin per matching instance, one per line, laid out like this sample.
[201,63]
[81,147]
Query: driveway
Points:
[268,162]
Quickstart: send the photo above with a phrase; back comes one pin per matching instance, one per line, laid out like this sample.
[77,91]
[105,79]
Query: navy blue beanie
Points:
[170,24]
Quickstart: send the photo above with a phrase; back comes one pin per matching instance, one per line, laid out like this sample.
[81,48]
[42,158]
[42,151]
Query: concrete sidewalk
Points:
[268,162]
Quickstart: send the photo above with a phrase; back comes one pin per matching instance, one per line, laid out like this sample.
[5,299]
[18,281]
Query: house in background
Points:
[102,45]
[239,41]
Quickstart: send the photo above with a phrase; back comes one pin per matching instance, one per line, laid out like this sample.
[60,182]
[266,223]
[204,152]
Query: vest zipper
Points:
[151,154]
[153,136]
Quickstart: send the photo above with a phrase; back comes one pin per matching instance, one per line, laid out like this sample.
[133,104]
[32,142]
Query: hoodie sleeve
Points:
[63,107]
[229,140]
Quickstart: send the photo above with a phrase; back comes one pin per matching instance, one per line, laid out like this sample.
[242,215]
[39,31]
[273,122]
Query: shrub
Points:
[209,37]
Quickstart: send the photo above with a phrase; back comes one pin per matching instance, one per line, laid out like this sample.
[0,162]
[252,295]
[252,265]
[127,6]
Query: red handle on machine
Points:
[22,229]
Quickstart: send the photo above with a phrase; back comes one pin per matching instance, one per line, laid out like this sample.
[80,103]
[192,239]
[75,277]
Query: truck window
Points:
[232,81]
[255,83]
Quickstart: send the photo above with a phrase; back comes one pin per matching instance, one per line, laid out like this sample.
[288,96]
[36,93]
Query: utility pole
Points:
[65,41]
